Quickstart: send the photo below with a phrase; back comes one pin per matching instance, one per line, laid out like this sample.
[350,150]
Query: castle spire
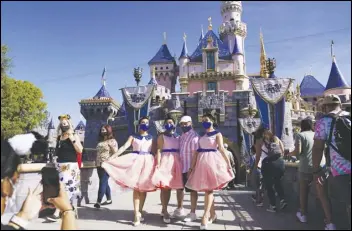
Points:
[164,34]
[263,68]
[184,53]
[210,26]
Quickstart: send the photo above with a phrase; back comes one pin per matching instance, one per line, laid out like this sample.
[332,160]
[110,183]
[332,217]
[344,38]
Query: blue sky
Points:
[62,47]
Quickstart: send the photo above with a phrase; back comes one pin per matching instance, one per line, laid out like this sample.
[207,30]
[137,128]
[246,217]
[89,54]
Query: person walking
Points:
[210,170]
[68,147]
[303,150]
[273,166]
[106,147]
[135,170]
[168,173]
[188,147]
[334,131]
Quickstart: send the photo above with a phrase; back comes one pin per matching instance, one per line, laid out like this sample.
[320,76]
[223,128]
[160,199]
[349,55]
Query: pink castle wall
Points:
[226,85]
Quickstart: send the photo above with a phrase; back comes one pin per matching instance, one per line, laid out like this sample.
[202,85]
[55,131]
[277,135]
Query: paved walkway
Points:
[235,211]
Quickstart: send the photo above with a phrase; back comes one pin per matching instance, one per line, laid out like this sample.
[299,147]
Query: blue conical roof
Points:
[336,79]
[184,52]
[51,124]
[224,52]
[102,93]
[162,56]
[236,49]
[80,126]
[310,86]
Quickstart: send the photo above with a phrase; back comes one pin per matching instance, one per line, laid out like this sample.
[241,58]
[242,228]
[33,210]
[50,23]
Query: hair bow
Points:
[64,116]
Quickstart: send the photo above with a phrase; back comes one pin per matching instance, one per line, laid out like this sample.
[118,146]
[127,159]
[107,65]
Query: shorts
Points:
[185,178]
[340,188]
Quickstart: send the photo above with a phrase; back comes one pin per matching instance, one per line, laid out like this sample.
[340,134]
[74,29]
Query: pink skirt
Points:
[169,174]
[132,171]
[210,173]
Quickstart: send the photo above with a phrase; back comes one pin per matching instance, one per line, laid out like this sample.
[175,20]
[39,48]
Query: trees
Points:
[22,105]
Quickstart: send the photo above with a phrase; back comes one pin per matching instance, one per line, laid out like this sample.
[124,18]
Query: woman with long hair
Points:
[107,146]
[168,173]
[68,146]
[273,166]
[211,169]
[135,169]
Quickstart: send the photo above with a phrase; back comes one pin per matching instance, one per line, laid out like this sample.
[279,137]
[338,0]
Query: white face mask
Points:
[11,201]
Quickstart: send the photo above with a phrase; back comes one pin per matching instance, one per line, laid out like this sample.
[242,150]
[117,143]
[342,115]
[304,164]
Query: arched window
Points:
[210,61]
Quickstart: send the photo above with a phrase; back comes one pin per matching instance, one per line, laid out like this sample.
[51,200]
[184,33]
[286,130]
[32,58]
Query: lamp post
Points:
[137,74]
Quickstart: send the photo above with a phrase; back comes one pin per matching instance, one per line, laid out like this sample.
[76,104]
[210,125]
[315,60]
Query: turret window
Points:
[210,61]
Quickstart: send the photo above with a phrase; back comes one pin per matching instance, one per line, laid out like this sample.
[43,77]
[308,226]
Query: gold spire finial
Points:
[210,26]
[263,67]
[164,34]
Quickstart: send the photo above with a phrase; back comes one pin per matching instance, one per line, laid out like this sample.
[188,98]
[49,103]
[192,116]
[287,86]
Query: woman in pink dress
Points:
[168,173]
[210,169]
[135,170]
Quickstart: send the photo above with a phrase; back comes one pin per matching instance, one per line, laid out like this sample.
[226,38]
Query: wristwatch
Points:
[22,223]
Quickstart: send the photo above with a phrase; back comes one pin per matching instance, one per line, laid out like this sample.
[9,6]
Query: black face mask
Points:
[65,128]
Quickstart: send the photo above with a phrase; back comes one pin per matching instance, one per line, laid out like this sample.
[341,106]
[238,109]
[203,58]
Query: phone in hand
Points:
[51,184]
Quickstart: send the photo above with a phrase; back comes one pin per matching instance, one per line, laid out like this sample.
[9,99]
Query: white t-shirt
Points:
[262,156]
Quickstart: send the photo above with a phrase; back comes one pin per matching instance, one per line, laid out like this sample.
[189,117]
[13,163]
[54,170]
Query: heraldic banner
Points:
[271,90]
[250,125]
[137,97]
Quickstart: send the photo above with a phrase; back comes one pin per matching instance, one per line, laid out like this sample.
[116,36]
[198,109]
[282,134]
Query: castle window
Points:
[211,86]
[161,68]
[210,61]
[156,68]
[167,67]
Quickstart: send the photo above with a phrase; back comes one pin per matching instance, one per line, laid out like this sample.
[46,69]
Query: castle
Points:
[212,77]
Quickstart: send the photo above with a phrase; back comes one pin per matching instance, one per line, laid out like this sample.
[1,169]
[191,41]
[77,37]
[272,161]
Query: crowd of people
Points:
[191,163]
[324,154]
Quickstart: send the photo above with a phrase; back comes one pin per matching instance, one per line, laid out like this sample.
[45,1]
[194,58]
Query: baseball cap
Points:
[186,119]
[332,99]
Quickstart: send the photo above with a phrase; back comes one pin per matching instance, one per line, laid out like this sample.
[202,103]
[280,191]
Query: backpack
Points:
[342,134]
[274,148]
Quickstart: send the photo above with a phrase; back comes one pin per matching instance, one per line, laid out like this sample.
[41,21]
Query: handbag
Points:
[79,159]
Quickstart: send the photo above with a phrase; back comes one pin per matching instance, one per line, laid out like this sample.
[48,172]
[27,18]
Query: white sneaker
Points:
[330,226]
[178,213]
[301,218]
[190,217]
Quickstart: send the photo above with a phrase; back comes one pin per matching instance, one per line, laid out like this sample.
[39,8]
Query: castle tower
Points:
[337,83]
[52,134]
[263,68]
[232,27]
[183,61]
[97,111]
[80,130]
[165,67]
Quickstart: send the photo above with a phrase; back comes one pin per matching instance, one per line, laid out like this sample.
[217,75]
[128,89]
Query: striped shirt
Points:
[188,145]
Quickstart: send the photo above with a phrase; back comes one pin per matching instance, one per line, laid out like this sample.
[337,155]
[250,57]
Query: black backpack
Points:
[342,134]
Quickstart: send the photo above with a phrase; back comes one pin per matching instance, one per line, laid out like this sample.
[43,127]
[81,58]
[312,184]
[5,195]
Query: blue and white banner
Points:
[271,90]
[250,125]
[137,97]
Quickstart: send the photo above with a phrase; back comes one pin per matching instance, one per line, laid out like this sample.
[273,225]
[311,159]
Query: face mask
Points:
[207,124]
[144,127]
[186,129]
[64,128]
[168,127]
